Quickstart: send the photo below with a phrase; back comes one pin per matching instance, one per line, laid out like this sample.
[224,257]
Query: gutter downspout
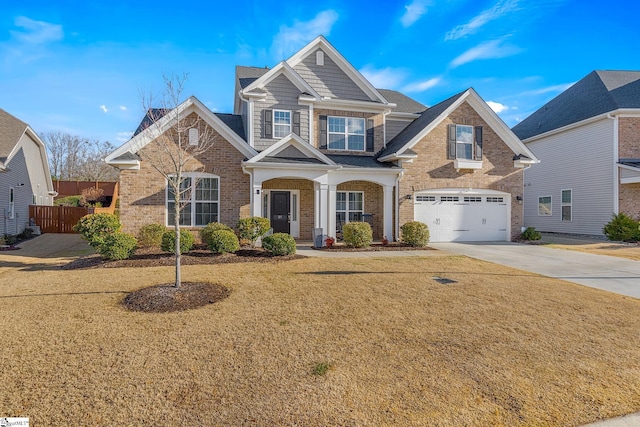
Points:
[397,203]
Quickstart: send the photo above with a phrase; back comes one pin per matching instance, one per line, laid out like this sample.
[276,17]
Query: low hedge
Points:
[209,229]
[279,244]
[223,241]
[415,233]
[357,234]
[118,246]
[150,235]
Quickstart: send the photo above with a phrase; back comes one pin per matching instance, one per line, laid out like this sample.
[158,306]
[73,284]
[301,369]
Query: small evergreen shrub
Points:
[622,228]
[150,235]
[357,234]
[168,243]
[531,234]
[279,244]
[96,227]
[252,228]
[118,245]
[209,229]
[415,233]
[223,241]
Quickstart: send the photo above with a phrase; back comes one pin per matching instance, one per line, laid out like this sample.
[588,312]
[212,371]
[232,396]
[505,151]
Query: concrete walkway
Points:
[609,273]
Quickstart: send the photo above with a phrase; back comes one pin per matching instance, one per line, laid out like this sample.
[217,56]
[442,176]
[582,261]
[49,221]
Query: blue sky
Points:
[80,67]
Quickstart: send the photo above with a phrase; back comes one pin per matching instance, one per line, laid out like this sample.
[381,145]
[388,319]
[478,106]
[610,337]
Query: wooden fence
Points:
[57,219]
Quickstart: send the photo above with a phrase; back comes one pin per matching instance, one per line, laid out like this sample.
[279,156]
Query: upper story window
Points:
[465,142]
[346,133]
[281,123]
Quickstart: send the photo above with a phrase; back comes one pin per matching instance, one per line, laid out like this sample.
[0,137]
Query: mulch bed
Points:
[200,254]
[395,246]
[8,248]
[168,298]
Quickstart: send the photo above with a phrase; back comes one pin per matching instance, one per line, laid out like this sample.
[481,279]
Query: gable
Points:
[11,129]
[329,80]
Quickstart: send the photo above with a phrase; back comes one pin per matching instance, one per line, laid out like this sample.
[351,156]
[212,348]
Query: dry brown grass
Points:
[622,250]
[500,347]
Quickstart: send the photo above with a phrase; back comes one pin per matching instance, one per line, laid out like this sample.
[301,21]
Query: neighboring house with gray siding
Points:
[588,143]
[313,145]
[24,174]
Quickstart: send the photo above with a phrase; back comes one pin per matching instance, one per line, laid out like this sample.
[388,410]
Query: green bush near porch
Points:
[279,244]
[223,241]
[252,228]
[357,234]
[415,233]
[169,241]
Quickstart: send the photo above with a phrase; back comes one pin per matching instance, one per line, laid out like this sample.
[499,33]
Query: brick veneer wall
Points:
[142,192]
[629,148]
[432,169]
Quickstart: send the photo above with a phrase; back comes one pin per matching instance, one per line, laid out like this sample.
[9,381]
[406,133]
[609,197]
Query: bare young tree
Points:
[175,152]
[74,158]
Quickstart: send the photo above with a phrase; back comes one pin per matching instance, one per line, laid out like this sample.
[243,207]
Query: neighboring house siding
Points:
[143,192]
[582,160]
[16,173]
[328,79]
[36,170]
[433,170]
[281,95]
[394,127]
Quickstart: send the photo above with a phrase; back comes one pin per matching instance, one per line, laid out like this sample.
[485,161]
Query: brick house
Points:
[588,141]
[312,144]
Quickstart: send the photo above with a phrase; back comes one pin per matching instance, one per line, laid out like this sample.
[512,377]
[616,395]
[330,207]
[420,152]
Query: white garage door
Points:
[464,216]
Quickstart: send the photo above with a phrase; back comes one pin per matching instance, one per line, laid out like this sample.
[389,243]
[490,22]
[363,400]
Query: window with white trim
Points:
[425,198]
[566,205]
[472,199]
[349,206]
[464,142]
[544,206]
[200,200]
[495,199]
[281,123]
[449,199]
[346,133]
[12,206]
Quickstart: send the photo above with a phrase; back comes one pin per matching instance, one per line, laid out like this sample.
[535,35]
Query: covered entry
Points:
[464,215]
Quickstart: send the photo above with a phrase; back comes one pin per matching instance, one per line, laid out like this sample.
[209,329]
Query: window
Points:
[472,199]
[495,199]
[449,198]
[346,133]
[281,123]
[349,206]
[465,142]
[200,197]
[425,198]
[544,206]
[566,205]
[12,207]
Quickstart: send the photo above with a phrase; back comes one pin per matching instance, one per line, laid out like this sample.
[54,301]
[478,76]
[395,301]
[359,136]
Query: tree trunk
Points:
[177,247]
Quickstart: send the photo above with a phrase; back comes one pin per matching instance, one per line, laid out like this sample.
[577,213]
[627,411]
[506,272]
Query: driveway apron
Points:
[618,275]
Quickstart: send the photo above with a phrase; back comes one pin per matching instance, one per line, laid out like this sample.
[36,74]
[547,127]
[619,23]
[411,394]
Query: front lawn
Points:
[318,341]
[617,249]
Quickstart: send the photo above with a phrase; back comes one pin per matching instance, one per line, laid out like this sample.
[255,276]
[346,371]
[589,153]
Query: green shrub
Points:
[96,227]
[209,229]
[151,235]
[169,241]
[69,201]
[531,234]
[252,228]
[3,241]
[357,234]
[10,239]
[415,233]
[223,241]
[622,228]
[118,245]
[279,244]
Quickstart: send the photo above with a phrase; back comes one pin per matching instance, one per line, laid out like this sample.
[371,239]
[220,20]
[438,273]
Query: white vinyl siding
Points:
[581,159]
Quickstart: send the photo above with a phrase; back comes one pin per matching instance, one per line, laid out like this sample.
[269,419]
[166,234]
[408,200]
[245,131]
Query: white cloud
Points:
[500,9]
[123,136]
[555,88]
[290,39]
[385,78]
[104,108]
[36,32]
[497,107]
[422,86]
[413,12]
[123,108]
[492,49]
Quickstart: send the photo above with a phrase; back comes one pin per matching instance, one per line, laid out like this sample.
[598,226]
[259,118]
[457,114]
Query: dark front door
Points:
[280,211]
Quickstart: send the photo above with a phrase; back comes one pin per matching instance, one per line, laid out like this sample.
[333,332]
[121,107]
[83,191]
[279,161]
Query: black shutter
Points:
[369,135]
[451,152]
[267,122]
[478,133]
[323,133]
[295,128]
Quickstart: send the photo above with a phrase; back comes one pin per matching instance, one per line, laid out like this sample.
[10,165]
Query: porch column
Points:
[387,227]
[331,211]
[256,199]
[324,208]
[317,205]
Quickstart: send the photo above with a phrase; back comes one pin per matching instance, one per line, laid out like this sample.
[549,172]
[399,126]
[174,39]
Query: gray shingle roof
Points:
[11,129]
[414,128]
[235,123]
[358,161]
[634,163]
[597,93]
[248,75]
[403,102]
[153,114]
[291,160]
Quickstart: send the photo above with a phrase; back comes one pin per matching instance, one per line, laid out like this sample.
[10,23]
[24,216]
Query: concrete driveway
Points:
[609,273]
